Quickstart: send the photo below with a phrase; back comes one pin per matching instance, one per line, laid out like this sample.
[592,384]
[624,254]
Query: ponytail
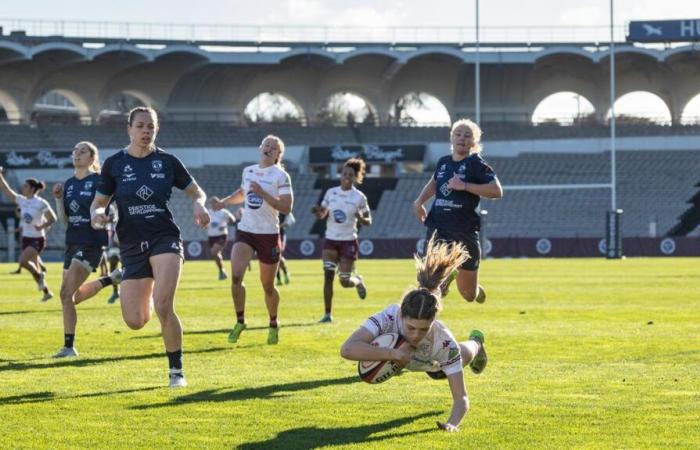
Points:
[432,270]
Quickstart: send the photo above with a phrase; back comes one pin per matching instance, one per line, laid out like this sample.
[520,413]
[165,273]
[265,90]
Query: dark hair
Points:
[35,184]
[142,109]
[433,269]
[358,165]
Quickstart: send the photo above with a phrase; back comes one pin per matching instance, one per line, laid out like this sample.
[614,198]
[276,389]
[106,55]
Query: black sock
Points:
[68,340]
[240,316]
[175,359]
[105,281]
[273,321]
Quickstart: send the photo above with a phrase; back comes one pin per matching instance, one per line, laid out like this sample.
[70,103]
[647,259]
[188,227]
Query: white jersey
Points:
[259,217]
[343,206]
[438,350]
[32,211]
[218,223]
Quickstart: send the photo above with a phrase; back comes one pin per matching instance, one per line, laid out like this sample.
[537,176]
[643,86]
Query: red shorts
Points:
[267,246]
[346,249]
[38,243]
[221,240]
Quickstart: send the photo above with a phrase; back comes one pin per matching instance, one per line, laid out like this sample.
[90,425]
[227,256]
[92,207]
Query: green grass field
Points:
[584,353]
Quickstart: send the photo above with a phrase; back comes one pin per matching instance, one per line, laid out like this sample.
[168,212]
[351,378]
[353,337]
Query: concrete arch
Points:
[127,48]
[11,107]
[367,99]
[76,99]
[368,52]
[563,51]
[187,49]
[14,52]
[58,46]
[547,97]
[308,52]
[655,55]
[450,112]
[660,96]
[447,51]
[303,116]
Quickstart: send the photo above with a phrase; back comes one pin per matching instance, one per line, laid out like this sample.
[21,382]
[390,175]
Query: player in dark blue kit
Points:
[140,178]
[83,243]
[459,182]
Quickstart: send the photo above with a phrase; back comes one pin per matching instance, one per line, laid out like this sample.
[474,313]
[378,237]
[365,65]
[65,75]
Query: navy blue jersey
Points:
[456,210]
[141,188]
[77,198]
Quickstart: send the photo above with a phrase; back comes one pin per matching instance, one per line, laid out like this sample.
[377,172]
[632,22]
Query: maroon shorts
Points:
[38,243]
[267,246]
[221,240]
[346,249]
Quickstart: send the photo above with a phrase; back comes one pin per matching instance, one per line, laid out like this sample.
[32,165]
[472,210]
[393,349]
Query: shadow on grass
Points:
[258,393]
[14,366]
[34,311]
[314,437]
[227,330]
[47,396]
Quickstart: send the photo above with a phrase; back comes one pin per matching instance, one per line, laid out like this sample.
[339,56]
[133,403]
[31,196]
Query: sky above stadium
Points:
[391,13]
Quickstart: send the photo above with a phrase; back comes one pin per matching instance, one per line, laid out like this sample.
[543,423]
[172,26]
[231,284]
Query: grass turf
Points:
[584,353]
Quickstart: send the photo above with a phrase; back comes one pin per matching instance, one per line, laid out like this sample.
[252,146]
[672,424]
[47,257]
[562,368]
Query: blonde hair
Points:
[95,166]
[280,144]
[440,259]
[476,133]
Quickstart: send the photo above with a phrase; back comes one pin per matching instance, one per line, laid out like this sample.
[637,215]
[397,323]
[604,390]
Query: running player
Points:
[267,191]
[37,218]
[83,243]
[459,182]
[140,178]
[343,207]
[430,346]
[217,233]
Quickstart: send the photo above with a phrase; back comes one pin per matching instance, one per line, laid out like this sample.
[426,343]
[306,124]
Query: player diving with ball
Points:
[429,345]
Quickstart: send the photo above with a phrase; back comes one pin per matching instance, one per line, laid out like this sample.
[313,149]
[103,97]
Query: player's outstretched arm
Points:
[11,194]
[460,402]
[234,199]
[426,194]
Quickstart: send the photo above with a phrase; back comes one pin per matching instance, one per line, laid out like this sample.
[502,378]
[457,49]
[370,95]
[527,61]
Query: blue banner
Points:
[664,31]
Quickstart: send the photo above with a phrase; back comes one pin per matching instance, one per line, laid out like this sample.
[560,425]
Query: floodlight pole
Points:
[613,175]
[477,73]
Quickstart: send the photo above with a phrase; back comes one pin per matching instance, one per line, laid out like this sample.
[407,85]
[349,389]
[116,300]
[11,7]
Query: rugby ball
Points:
[374,372]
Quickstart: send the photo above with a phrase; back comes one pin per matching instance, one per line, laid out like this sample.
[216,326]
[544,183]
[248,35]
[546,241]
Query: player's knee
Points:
[236,280]
[329,269]
[344,278]
[163,309]
[269,289]
[136,322]
[66,295]
[468,294]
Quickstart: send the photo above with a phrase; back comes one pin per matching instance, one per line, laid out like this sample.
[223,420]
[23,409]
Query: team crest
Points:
[157,165]
[462,168]
[88,185]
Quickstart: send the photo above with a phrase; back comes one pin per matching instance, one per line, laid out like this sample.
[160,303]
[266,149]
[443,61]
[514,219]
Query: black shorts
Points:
[88,256]
[135,258]
[469,239]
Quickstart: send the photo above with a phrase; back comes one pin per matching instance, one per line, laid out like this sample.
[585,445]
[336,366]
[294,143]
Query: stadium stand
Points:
[220,134]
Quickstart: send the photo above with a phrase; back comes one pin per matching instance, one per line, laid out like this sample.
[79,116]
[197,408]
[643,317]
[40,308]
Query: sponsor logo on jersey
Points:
[157,165]
[158,175]
[127,169]
[445,190]
[339,216]
[74,206]
[27,218]
[443,167]
[253,200]
[129,177]
[144,192]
